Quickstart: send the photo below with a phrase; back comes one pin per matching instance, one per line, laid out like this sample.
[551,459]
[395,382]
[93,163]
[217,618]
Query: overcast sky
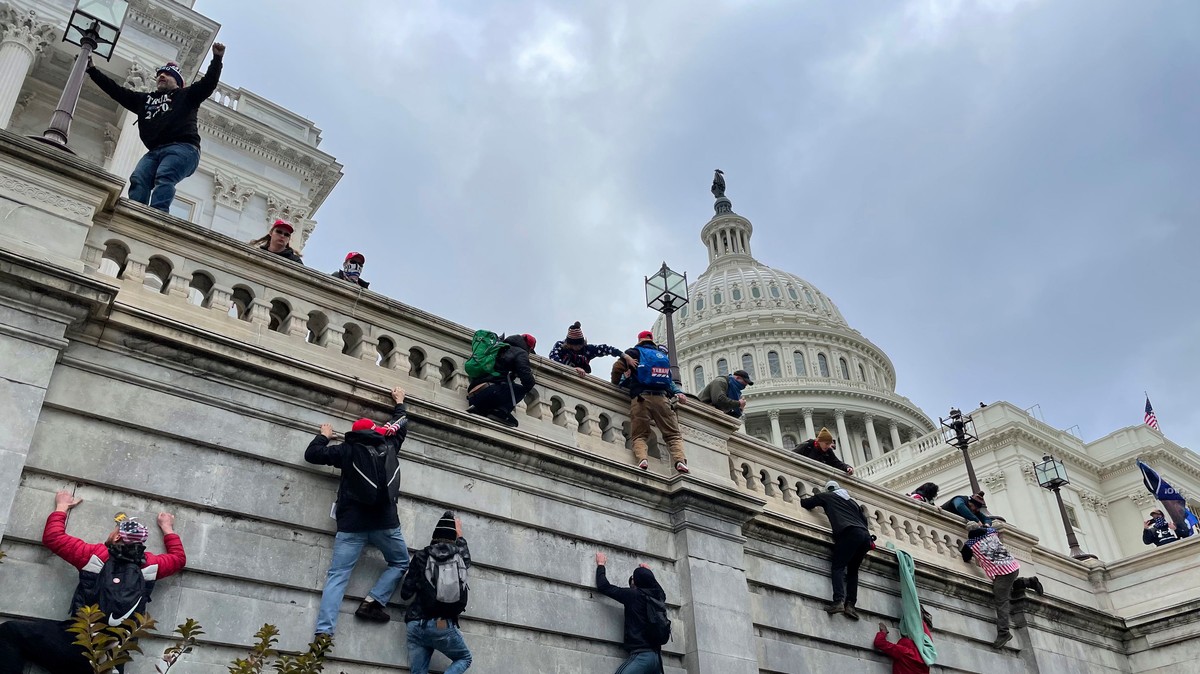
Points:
[1001,195]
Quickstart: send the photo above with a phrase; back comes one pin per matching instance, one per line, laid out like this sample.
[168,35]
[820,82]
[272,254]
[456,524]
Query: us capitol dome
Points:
[810,368]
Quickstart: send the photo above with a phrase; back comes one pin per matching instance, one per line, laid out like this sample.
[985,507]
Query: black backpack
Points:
[371,473]
[658,625]
[119,588]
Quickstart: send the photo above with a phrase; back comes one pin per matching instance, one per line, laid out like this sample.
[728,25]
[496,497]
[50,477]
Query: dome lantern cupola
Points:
[727,235]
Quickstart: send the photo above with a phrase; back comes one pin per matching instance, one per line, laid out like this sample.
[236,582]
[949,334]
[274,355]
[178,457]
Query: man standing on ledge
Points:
[167,125]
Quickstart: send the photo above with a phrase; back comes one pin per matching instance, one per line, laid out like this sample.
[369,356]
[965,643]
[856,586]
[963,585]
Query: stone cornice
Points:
[178,25]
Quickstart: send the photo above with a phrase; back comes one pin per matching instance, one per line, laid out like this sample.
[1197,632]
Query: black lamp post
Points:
[666,291]
[959,431]
[1052,474]
[95,26]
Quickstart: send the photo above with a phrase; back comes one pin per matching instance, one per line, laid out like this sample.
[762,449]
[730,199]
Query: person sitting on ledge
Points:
[820,449]
[574,351]
[278,240]
[972,509]
[983,543]
[166,122]
[725,393]
[496,395]
[352,270]
[122,556]
[926,493]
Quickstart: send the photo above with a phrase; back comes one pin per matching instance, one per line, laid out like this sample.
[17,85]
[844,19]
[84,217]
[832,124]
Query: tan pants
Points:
[645,408]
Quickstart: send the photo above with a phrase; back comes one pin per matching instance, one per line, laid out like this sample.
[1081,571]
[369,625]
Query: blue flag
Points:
[1173,502]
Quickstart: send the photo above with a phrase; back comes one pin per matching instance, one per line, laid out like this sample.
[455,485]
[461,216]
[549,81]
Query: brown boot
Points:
[836,607]
[850,612]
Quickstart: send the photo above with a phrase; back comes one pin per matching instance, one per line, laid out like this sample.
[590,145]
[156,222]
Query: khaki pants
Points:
[645,408]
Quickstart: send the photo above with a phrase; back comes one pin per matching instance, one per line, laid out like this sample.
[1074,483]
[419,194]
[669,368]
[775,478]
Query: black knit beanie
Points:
[445,529]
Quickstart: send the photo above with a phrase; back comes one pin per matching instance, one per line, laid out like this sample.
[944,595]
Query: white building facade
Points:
[259,161]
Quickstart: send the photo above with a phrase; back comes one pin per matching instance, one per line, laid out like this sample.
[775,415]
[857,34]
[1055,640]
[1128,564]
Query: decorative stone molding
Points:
[868,418]
[158,20]
[22,103]
[995,482]
[1093,502]
[29,191]
[773,414]
[24,28]
[1142,499]
[839,414]
[306,230]
[892,425]
[233,190]
[137,78]
[284,209]
[111,133]
[1030,476]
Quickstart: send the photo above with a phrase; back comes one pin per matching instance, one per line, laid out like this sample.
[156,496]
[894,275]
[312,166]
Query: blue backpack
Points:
[654,369]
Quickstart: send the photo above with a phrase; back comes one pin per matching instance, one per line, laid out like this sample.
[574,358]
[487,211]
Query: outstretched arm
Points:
[205,86]
[174,559]
[621,594]
[129,99]
[74,551]
[322,453]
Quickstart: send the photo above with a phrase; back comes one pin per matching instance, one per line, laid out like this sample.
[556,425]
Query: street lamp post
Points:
[1052,474]
[666,291]
[95,26]
[959,431]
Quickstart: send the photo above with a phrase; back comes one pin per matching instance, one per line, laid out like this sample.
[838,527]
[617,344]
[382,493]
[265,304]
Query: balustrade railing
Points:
[226,96]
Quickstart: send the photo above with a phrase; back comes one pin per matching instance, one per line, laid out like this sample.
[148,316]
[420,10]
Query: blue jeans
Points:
[424,638]
[159,171]
[646,662]
[347,548]
[960,507]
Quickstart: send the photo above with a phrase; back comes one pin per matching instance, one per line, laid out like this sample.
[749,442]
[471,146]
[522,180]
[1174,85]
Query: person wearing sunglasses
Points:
[279,241]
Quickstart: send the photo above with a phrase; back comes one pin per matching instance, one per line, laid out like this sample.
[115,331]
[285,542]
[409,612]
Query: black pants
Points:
[498,397]
[849,549]
[41,642]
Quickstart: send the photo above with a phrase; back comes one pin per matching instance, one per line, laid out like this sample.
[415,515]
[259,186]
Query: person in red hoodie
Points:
[906,659]
[47,642]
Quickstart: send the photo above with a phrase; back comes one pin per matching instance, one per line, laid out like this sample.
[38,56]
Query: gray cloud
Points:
[999,194]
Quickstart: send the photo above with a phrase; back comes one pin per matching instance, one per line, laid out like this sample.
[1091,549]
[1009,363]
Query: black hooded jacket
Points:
[514,360]
[416,584]
[166,117]
[353,516]
[634,601]
[843,513]
[809,450]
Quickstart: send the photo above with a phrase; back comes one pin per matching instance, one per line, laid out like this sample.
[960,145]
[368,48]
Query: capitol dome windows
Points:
[801,368]
[683,312]
[736,293]
[699,304]
[722,367]
[717,298]
[775,294]
[845,368]
[773,365]
[809,296]
[698,378]
[792,293]
[748,363]
[823,364]
[755,292]
[862,374]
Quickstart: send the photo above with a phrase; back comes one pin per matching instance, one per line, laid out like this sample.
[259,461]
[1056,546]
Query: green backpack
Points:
[485,349]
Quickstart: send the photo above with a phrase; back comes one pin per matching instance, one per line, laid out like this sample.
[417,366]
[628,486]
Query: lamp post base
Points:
[54,142]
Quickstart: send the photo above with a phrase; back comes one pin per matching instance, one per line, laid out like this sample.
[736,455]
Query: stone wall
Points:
[142,389]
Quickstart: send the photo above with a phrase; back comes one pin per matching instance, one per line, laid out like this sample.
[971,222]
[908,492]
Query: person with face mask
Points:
[352,270]
[166,121]
[1157,530]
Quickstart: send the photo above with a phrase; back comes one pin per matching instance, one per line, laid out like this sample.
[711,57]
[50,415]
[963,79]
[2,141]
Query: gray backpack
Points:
[448,576]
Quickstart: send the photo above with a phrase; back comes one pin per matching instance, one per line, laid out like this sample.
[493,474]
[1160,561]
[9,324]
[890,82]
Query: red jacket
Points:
[906,659]
[78,553]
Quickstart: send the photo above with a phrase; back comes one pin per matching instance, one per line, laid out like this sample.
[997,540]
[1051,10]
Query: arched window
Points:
[789,442]
[755,292]
[717,299]
[748,364]
[862,374]
[808,296]
[792,293]
[801,368]
[683,312]
[845,368]
[823,304]
[722,367]
[773,364]
[698,375]
[823,364]
[775,292]
[699,304]
[737,294]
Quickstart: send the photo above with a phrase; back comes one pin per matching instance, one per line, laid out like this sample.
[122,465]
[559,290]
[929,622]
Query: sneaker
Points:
[1001,640]
[373,611]
[850,612]
[503,418]
[1035,585]
[644,464]
[835,608]
[681,467]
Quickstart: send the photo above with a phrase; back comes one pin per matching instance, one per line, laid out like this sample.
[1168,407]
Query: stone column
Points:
[843,438]
[808,424]
[894,431]
[24,38]
[873,439]
[776,434]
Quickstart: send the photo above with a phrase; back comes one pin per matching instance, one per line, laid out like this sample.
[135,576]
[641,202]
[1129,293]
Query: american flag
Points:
[1151,420]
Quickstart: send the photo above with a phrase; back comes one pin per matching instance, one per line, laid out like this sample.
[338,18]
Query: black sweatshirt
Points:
[634,600]
[843,513]
[353,516]
[167,117]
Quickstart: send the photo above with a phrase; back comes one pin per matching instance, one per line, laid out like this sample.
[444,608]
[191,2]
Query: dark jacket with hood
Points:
[287,253]
[717,395]
[809,449]
[166,117]
[354,516]
[634,601]
[339,275]
[416,584]
[514,360]
[1159,533]
[843,513]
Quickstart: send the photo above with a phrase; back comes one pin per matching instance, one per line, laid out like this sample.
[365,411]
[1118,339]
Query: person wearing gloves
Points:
[352,269]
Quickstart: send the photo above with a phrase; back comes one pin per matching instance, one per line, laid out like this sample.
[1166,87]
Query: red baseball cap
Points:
[531,341]
[644,335]
[283,224]
[350,256]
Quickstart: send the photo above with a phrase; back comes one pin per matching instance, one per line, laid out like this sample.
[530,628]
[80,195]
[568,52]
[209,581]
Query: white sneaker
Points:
[644,464]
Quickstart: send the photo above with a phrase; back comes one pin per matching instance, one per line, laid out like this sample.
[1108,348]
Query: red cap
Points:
[531,341]
[283,224]
[363,425]
[350,256]
[644,335]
